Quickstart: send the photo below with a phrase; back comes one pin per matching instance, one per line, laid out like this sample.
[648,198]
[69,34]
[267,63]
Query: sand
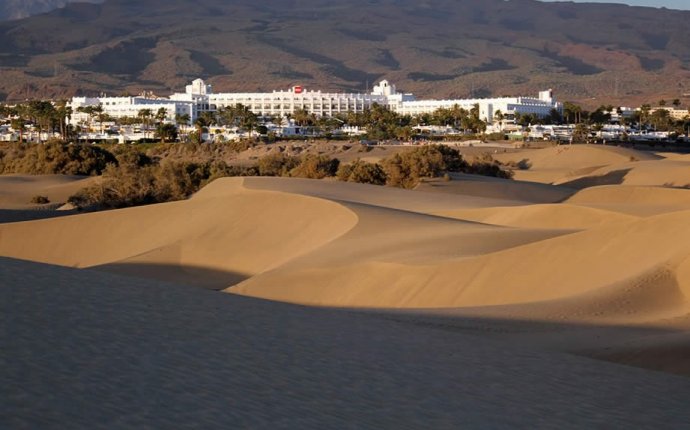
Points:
[397,304]
[84,349]
[565,163]
[16,191]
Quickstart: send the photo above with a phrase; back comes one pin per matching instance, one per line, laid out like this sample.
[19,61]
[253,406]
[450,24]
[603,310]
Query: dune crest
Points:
[225,234]
[557,266]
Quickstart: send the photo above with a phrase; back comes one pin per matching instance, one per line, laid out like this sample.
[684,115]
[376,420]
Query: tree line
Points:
[379,122]
[135,175]
[137,178]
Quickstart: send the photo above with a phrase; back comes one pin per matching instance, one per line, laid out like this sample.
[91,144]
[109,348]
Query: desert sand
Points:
[17,192]
[476,301]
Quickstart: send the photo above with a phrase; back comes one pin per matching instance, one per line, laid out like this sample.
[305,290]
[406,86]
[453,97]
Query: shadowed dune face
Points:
[634,200]
[87,349]
[565,164]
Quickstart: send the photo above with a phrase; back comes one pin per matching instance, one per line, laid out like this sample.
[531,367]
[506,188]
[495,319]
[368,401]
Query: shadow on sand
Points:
[615,177]
[202,277]
[662,349]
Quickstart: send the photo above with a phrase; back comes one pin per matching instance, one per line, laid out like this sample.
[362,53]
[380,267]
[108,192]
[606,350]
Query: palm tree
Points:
[63,113]
[161,114]
[571,110]
[209,118]
[18,124]
[301,116]
[644,114]
[145,116]
[101,116]
[42,114]
[499,117]
[166,132]
[94,112]
[581,132]
[457,113]
[200,123]
[182,119]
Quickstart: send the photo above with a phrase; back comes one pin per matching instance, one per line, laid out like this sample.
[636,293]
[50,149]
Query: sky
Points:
[670,4]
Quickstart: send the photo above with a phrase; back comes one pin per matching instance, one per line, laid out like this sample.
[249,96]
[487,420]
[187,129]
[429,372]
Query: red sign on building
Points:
[298,89]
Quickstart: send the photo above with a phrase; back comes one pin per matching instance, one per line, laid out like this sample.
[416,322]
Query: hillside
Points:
[17,9]
[587,52]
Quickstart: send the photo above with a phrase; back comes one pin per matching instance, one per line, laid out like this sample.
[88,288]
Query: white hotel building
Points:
[200,97]
[120,107]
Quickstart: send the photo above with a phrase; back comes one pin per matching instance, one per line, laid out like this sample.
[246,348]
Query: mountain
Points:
[17,9]
[590,53]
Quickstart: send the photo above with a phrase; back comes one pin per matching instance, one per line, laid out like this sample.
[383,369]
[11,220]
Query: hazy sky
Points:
[670,4]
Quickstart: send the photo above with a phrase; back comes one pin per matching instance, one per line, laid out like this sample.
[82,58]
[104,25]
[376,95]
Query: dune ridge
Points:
[353,245]
[610,254]
[206,235]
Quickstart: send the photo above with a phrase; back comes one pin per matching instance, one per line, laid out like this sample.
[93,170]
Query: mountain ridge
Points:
[18,9]
[436,48]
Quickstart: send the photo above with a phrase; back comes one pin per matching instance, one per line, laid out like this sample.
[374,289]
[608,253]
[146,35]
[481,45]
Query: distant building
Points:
[282,103]
[199,97]
[673,112]
[120,107]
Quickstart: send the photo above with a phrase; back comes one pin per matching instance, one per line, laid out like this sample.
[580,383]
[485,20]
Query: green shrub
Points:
[277,164]
[362,172]
[240,145]
[315,167]
[407,168]
[55,158]
[40,200]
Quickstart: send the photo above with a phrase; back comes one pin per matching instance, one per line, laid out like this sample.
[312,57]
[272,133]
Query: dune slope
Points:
[564,164]
[95,350]
[214,239]
[352,245]
[553,268]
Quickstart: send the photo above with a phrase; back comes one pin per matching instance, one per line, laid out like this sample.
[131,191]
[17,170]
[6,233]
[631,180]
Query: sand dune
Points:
[340,244]
[564,163]
[472,249]
[669,173]
[16,191]
[574,157]
[207,241]
[419,201]
[548,269]
[550,216]
[84,349]
[497,188]
[635,200]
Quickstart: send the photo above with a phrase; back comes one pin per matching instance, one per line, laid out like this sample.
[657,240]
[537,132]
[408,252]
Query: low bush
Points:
[54,158]
[432,161]
[277,164]
[362,172]
[40,200]
[315,167]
